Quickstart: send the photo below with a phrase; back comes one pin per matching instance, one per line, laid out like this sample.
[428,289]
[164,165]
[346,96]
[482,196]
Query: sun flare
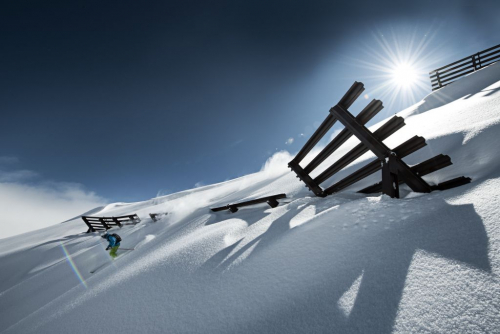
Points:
[404,75]
[397,65]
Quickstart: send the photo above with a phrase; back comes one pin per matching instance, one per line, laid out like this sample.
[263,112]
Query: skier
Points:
[114,243]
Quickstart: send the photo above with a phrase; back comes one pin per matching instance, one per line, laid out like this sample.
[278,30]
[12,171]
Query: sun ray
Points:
[73,265]
[399,65]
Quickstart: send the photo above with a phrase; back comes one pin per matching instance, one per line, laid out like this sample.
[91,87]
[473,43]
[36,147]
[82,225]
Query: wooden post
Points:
[474,62]
[91,229]
[479,60]
[117,222]
[103,223]
[273,202]
[390,183]
[438,79]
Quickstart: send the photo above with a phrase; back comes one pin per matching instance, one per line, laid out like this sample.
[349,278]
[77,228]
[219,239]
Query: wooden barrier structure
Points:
[105,223]
[447,74]
[394,170]
[271,200]
[157,216]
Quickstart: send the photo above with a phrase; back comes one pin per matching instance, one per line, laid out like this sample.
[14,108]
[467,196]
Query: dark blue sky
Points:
[132,97]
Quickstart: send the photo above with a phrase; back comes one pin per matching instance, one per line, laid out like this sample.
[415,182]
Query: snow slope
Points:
[349,263]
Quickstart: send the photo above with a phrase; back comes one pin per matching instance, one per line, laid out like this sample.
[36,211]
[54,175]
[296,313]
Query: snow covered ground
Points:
[348,263]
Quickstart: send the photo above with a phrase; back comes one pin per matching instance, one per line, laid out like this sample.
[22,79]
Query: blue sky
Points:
[124,100]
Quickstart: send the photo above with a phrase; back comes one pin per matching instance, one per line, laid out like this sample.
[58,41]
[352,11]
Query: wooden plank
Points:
[315,138]
[454,63]
[306,178]
[117,222]
[158,216]
[96,219]
[424,168]
[469,63]
[352,94]
[91,228]
[221,208]
[347,100]
[379,135]
[449,80]
[408,147]
[259,200]
[490,59]
[480,53]
[105,223]
[363,117]
[482,58]
[493,47]
[404,172]
[130,217]
[271,200]
[456,182]
[443,77]
[490,54]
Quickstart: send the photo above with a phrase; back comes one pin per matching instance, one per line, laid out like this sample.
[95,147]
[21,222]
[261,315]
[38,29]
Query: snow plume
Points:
[277,163]
[335,134]
[27,207]
[160,196]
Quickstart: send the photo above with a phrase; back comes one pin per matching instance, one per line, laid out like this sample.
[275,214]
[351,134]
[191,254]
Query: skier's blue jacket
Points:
[112,241]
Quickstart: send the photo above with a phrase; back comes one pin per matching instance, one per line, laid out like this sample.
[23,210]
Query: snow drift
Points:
[349,263]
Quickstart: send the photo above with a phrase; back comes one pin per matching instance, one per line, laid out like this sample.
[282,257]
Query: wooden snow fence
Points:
[394,170]
[105,223]
[271,200]
[447,74]
[157,216]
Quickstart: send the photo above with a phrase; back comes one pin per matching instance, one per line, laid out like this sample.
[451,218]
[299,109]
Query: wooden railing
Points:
[447,74]
[271,200]
[105,223]
[157,216]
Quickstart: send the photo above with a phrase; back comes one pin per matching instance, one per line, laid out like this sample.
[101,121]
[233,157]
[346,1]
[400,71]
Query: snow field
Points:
[349,263]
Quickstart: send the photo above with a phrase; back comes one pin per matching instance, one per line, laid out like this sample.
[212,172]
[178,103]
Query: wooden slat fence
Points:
[157,216]
[272,201]
[447,74]
[105,223]
[394,170]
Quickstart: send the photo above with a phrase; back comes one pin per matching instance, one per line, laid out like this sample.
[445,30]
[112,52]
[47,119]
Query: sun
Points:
[404,75]
[396,63]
